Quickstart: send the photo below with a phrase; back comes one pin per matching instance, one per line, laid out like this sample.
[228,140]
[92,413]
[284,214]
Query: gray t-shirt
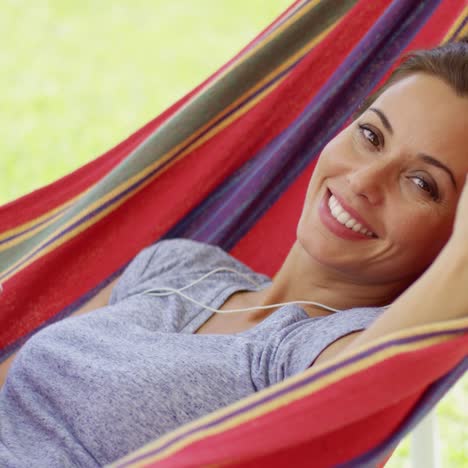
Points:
[89,389]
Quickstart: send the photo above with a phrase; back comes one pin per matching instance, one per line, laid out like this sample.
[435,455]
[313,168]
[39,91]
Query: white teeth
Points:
[343,217]
[336,210]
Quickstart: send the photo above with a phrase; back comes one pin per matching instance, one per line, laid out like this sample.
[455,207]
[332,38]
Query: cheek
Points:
[421,238]
[335,156]
[331,163]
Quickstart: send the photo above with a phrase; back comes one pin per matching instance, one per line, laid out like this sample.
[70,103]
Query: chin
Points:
[346,263]
[317,245]
[323,248]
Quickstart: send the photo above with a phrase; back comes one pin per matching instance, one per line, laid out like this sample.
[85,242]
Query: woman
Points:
[380,208]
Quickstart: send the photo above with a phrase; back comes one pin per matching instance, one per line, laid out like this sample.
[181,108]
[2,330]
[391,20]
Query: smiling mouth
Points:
[344,218]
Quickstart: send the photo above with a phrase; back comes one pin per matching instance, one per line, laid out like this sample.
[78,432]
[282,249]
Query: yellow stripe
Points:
[298,393]
[274,34]
[47,219]
[141,175]
[294,17]
[29,224]
[277,404]
[463,32]
[456,25]
[82,227]
[284,66]
[234,421]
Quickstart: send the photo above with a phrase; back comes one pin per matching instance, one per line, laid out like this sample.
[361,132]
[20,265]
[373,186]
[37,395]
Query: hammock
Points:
[229,164]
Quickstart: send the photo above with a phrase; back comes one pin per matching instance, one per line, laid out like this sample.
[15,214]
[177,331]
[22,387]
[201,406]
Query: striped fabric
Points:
[229,164]
[350,412]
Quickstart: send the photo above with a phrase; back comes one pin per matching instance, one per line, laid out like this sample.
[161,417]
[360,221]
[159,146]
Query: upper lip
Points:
[353,212]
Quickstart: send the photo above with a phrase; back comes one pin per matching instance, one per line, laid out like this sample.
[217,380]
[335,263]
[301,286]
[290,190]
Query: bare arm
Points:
[99,300]
[439,295]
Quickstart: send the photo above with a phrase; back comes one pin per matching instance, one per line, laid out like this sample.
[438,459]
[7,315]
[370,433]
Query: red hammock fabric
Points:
[39,285]
[181,175]
[343,423]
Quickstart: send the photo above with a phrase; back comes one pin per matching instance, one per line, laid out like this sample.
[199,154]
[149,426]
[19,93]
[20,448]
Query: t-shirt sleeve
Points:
[132,273]
[299,350]
[168,259]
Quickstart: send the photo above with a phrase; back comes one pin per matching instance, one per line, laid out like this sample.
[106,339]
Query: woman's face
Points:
[382,200]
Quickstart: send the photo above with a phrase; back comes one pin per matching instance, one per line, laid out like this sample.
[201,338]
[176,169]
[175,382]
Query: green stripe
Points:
[225,90]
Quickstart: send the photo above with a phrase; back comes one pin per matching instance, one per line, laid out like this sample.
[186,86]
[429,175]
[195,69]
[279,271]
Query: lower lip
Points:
[334,226]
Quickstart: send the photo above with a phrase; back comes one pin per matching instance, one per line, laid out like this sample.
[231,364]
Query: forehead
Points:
[429,117]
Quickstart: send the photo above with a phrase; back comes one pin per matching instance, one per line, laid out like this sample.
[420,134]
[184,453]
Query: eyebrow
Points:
[435,162]
[383,118]
[425,157]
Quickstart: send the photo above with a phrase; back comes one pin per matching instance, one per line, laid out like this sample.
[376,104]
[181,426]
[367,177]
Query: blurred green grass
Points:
[79,77]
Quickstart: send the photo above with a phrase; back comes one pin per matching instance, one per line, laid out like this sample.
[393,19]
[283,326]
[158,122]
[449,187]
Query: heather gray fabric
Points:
[89,389]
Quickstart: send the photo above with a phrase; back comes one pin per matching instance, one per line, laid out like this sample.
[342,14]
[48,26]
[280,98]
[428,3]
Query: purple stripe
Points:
[427,402]
[73,226]
[229,213]
[274,27]
[209,129]
[304,382]
[458,30]
[137,184]
[8,239]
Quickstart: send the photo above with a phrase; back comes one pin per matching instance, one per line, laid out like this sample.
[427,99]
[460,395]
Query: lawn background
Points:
[77,77]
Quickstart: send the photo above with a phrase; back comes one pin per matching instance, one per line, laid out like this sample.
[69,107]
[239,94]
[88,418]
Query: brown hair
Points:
[448,62]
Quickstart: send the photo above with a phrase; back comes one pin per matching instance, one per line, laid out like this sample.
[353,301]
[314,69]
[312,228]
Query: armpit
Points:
[335,347]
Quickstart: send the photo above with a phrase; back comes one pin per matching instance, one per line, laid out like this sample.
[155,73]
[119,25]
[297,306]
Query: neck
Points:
[302,278]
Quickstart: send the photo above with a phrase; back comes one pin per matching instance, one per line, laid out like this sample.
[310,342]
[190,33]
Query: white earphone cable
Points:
[212,272]
[159,292]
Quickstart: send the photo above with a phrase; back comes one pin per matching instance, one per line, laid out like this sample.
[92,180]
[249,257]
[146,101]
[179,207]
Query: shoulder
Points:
[173,261]
[184,254]
[320,338]
[189,255]
[189,248]
[344,327]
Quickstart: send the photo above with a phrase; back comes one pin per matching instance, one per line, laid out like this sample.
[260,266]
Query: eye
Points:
[370,135]
[426,186]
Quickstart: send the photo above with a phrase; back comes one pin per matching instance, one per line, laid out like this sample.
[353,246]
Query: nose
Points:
[370,180]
